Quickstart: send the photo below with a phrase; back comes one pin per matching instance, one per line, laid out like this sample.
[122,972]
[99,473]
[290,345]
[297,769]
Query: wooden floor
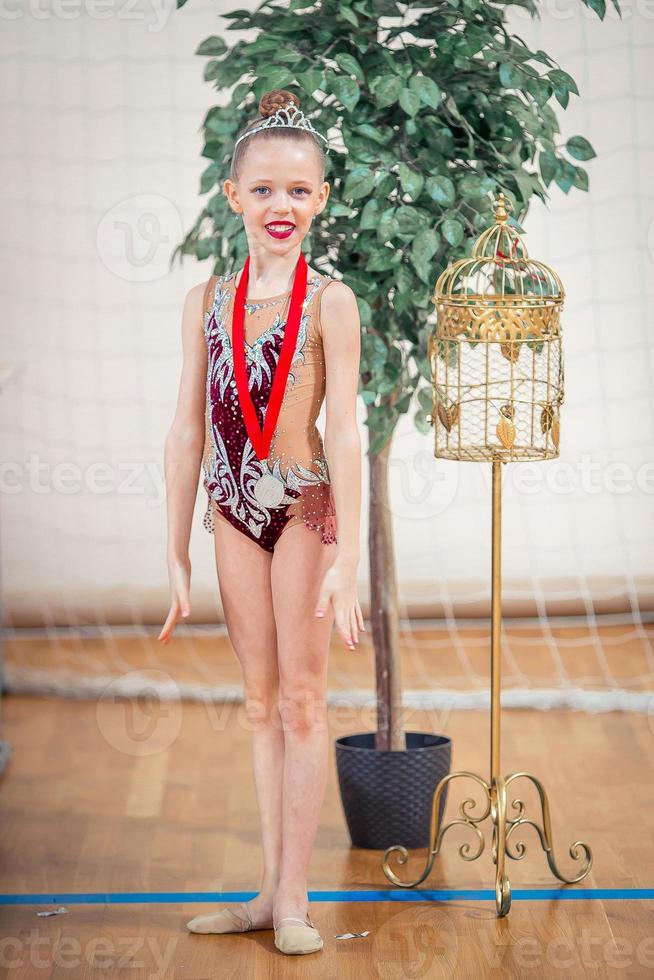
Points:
[86,805]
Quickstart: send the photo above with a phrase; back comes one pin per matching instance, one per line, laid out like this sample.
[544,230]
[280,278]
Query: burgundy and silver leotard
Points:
[263,497]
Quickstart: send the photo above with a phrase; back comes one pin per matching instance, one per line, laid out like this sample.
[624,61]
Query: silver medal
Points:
[269,491]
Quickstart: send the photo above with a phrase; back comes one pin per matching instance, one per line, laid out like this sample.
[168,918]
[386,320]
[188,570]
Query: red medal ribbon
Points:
[261,440]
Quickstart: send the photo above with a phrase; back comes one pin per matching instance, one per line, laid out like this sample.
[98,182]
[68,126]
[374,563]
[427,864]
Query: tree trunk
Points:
[383,606]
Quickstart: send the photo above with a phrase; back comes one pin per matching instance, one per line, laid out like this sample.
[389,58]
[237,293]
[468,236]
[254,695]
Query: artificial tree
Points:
[434,109]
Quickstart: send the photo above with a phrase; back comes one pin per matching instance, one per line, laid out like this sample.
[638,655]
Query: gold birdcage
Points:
[496,354]
[497,374]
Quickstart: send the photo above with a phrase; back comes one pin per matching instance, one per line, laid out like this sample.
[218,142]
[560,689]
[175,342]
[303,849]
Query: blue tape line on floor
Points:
[369,895]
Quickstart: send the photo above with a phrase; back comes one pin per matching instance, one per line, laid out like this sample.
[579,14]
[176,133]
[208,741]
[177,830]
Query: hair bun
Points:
[277,98]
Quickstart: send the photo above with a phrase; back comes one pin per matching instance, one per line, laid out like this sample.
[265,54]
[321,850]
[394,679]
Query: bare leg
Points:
[299,562]
[243,569]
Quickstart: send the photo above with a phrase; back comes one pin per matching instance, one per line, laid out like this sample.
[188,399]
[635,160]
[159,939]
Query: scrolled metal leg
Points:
[498,816]
[545,833]
[436,832]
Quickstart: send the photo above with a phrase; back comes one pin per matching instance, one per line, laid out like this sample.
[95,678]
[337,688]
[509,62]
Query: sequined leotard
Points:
[263,497]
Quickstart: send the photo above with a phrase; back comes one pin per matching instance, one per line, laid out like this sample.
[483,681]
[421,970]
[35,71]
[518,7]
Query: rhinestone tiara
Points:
[288,117]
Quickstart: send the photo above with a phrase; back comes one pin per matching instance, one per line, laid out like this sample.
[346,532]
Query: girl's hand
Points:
[339,587]
[179,575]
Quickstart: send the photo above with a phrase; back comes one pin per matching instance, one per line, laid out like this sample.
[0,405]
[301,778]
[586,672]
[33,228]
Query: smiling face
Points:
[278,191]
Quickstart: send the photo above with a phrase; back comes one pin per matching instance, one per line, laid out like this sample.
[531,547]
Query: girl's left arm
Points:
[341,336]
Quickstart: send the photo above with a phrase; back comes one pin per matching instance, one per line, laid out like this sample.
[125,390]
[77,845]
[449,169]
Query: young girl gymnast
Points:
[263,346]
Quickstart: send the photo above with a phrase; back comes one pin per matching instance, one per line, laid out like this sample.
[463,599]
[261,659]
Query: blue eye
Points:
[262,188]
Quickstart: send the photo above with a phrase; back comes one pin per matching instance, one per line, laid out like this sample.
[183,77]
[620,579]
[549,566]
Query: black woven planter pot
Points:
[387,796]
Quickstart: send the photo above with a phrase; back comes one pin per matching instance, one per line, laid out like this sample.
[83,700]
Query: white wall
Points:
[101,161]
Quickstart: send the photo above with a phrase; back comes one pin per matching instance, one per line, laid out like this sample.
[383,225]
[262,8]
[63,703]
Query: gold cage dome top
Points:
[499,293]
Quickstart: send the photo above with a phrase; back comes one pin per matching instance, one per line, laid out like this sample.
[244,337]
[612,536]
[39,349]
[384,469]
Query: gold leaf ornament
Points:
[505,429]
[448,416]
[511,350]
[546,418]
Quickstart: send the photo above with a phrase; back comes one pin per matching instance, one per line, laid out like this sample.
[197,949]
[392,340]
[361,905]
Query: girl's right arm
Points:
[183,456]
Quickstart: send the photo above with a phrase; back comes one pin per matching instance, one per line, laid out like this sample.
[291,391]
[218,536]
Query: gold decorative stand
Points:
[479,388]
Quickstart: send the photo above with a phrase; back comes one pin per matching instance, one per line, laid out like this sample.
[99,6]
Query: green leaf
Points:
[453,231]
[377,417]
[212,149]
[359,183]
[441,189]
[410,181]
[424,368]
[382,259]
[427,90]
[369,215]
[548,165]
[218,126]
[426,243]
[365,312]
[423,268]
[338,210]
[345,89]
[349,65]
[388,226]
[239,93]
[374,352]
[426,399]
[310,80]
[410,101]
[525,183]
[409,220]
[386,89]
[275,76]
[423,248]
[543,57]
[599,6]
[378,134]
[213,46]
[563,84]
[205,247]
[380,440]
[515,224]
[385,183]
[511,76]
[347,14]
[422,423]
[212,69]
[470,186]
[579,148]
[403,402]
[566,176]
[209,176]
[403,279]
[581,179]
